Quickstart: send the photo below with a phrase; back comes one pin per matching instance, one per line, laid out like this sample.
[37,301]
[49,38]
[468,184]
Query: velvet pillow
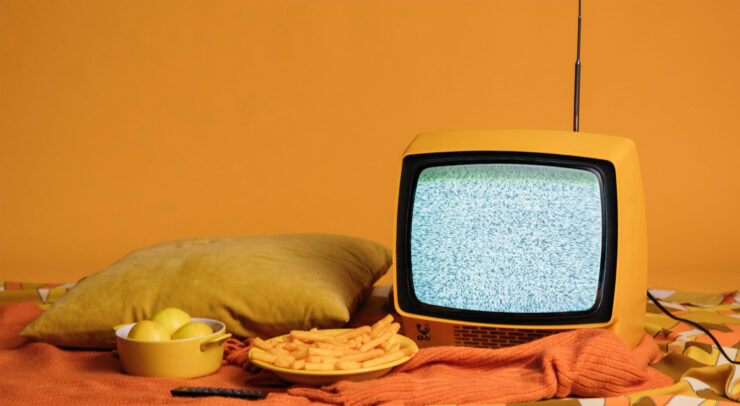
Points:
[258,286]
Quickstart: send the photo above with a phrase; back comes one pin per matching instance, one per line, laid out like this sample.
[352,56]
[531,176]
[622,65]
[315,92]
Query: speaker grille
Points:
[493,337]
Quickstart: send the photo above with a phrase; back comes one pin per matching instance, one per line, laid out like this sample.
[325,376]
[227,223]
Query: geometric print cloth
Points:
[43,294]
[702,375]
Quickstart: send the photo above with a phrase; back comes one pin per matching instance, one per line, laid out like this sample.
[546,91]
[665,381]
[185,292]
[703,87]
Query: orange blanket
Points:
[37,373]
[592,363]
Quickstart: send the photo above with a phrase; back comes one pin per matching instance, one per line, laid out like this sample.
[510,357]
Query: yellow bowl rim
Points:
[337,331]
[222,329]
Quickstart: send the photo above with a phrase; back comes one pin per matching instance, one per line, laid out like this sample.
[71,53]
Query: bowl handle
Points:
[217,340]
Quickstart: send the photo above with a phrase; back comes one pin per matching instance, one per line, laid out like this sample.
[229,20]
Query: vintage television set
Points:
[507,236]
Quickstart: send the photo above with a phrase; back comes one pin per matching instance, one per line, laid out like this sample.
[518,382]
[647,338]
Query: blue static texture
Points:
[510,238]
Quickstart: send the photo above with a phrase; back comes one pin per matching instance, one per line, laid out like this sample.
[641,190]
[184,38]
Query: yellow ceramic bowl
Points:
[187,358]
[328,377]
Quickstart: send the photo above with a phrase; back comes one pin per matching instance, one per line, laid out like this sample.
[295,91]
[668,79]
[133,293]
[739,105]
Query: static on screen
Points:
[512,238]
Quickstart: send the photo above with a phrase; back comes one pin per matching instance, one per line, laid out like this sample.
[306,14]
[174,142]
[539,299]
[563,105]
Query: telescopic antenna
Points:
[577,91]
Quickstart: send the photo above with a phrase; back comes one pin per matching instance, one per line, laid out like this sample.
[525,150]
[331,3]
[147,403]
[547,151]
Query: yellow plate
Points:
[328,377]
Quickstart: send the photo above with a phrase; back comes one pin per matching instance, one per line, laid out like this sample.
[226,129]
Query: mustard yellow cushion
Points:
[258,286]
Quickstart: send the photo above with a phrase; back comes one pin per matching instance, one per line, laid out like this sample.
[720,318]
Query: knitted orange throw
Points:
[583,363]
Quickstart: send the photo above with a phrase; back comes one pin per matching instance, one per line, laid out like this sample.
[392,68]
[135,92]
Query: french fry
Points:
[379,332]
[329,360]
[264,357]
[380,324]
[386,344]
[294,344]
[353,333]
[348,365]
[260,343]
[298,364]
[392,348]
[363,356]
[326,351]
[284,361]
[388,319]
[311,366]
[301,353]
[278,351]
[375,342]
[311,336]
[321,359]
[331,346]
[383,360]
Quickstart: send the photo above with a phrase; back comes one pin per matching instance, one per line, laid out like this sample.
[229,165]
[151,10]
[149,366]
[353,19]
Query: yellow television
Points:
[506,236]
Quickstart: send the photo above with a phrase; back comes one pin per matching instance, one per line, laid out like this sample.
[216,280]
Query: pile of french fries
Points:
[314,350]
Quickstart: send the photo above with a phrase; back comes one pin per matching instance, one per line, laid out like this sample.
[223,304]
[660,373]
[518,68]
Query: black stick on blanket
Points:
[186,391]
[695,324]
[577,87]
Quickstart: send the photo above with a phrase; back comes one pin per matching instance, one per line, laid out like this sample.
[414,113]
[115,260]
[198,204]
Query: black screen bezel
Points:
[412,166]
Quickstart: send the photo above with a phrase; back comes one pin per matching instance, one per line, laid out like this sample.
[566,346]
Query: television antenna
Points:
[577,90]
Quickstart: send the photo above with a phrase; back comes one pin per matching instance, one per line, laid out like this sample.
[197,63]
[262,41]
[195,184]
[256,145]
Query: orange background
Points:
[129,123]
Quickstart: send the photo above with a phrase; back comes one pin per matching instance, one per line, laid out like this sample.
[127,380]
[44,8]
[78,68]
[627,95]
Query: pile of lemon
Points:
[169,324]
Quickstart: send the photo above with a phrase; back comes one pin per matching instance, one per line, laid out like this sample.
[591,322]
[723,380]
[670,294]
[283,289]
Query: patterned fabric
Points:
[43,294]
[702,375]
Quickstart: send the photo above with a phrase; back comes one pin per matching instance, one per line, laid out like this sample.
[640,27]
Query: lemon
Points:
[148,330]
[192,330]
[171,318]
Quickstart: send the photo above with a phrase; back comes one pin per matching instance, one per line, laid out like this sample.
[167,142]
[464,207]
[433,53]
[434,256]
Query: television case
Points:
[620,304]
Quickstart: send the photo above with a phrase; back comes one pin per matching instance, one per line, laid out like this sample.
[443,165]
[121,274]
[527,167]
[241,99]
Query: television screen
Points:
[515,237]
[506,237]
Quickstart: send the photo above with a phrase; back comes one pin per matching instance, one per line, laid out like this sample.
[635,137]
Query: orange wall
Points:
[129,123]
